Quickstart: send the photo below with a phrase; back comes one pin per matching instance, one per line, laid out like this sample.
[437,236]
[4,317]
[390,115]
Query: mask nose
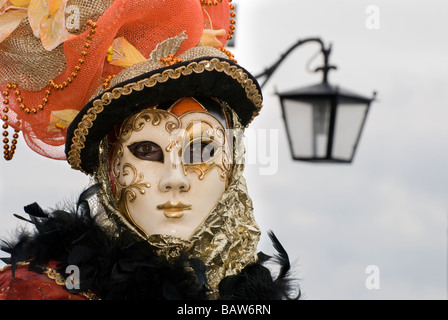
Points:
[174,179]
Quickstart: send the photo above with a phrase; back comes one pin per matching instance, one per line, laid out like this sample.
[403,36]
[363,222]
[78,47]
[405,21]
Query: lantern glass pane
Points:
[348,126]
[308,125]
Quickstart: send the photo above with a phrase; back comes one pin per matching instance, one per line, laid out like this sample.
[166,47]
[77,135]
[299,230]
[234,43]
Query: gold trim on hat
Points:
[80,134]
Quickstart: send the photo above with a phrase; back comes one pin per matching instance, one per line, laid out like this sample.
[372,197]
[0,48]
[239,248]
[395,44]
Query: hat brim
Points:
[206,76]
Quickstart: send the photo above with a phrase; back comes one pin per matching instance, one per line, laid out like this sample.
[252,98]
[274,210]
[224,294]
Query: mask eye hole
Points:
[200,152]
[147,150]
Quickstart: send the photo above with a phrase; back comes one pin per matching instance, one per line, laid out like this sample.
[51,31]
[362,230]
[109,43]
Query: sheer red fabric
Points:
[143,23]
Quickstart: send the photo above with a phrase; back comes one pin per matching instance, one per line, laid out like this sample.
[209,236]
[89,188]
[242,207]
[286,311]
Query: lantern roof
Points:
[324,89]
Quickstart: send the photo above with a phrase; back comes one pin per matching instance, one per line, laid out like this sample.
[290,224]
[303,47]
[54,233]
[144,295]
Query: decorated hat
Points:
[70,70]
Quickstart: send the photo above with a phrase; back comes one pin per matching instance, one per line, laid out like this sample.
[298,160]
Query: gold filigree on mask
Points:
[201,132]
[137,122]
[127,192]
[196,132]
[133,124]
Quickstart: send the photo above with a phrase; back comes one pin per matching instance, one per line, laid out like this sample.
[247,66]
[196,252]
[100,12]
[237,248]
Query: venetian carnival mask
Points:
[170,168]
[173,176]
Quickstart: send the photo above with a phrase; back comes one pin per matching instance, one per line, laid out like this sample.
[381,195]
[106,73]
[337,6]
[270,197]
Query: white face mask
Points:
[169,172]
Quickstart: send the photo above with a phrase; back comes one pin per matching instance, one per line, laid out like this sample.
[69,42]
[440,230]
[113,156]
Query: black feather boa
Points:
[117,266]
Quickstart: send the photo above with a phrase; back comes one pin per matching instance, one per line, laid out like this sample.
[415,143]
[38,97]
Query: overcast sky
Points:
[389,208]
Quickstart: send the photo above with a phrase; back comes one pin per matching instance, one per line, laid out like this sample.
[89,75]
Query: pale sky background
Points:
[389,208]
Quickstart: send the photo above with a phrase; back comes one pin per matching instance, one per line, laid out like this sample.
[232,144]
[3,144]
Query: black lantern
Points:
[323,122]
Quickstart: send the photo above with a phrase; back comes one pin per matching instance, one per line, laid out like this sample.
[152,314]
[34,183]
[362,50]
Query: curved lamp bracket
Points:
[325,68]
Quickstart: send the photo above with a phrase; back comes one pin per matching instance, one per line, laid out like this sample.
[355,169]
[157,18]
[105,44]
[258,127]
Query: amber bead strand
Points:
[232,21]
[229,54]
[231,31]
[107,81]
[210,2]
[9,150]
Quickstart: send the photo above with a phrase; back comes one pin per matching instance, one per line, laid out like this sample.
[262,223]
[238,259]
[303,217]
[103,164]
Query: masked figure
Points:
[161,135]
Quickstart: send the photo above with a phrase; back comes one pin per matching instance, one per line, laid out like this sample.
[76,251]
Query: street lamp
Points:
[323,122]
